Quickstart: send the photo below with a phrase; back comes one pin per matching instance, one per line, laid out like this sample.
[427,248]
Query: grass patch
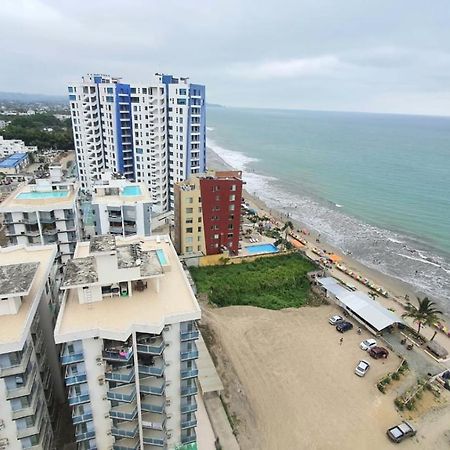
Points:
[273,283]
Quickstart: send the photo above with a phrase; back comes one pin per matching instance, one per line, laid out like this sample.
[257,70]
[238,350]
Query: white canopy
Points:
[361,304]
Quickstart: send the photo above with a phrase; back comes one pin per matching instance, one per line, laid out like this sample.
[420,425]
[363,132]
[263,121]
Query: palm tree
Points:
[425,314]
[288,227]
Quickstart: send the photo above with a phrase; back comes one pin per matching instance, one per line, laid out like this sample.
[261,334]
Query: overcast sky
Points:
[349,55]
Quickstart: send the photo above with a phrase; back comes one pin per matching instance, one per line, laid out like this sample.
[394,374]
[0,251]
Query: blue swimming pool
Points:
[261,248]
[42,195]
[161,256]
[131,190]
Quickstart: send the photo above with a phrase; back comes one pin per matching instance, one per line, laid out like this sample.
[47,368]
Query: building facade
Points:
[152,132]
[208,213]
[121,207]
[31,387]
[128,330]
[43,213]
[10,146]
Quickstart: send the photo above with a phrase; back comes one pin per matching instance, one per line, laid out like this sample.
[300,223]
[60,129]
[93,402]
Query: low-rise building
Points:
[31,387]
[10,146]
[43,213]
[14,163]
[128,329]
[208,213]
[121,207]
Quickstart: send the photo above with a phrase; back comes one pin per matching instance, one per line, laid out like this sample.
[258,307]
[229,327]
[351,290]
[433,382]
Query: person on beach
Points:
[341,340]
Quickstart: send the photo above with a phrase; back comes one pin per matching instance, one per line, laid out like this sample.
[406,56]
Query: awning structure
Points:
[360,304]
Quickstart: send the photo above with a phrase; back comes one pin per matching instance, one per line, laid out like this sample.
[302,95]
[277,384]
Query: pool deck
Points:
[99,198]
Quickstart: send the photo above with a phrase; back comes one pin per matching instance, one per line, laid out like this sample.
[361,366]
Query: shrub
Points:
[381,387]
[395,376]
[399,404]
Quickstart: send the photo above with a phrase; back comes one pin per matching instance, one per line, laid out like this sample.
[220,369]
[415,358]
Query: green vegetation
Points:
[274,282]
[30,129]
[424,314]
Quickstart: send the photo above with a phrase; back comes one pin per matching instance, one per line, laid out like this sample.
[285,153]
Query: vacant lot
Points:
[275,282]
[290,385]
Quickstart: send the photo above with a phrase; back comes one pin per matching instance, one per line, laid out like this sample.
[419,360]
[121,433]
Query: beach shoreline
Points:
[396,287]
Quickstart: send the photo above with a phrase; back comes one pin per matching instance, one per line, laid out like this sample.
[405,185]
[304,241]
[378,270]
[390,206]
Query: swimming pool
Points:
[261,248]
[131,190]
[42,195]
[161,256]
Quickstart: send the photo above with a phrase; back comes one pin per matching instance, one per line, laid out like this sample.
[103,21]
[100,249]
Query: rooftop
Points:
[168,298]
[116,192]
[45,197]
[13,160]
[39,259]
[16,279]
[80,271]
[102,244]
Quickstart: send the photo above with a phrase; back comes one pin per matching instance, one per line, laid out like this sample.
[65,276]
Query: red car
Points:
[378,352]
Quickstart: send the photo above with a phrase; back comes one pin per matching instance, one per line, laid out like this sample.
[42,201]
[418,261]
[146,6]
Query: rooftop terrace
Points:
[37,262]
[166,299]
[16,279]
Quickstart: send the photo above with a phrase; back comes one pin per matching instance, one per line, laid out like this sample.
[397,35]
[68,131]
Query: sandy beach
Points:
[396,288]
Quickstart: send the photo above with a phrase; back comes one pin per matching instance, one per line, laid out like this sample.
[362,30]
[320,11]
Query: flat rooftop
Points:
[117,195]
[102,244]
[30,197]
[16,279]
[15,327]
[146,311]
[13,160]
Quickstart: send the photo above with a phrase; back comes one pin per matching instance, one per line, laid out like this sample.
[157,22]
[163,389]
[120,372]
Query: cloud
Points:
[289,68]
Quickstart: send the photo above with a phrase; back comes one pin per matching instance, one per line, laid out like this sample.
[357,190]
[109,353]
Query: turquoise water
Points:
[261,248]
[131,190]
[42,195]
[161,256]
[375,185]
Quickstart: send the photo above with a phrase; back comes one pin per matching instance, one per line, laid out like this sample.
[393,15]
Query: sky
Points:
[350,55]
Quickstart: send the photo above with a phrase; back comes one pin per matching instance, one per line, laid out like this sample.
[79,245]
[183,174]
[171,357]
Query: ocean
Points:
[377,186]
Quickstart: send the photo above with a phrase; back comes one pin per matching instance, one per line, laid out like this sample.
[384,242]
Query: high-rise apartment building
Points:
[43,213]
[208,213]
[153,132]
[128,329]
[30,380]
[121,207]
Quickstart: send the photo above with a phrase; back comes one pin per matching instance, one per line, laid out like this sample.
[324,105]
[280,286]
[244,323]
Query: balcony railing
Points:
[154,437]
[189,373]
[80,418]
[189,390]
[75,379]
[189,335]
[154,404]
[122,375]
[124,412]
[79,437]
[28,410]
[188,438]
[188,424]
[151,385]
[30,431]
[17,368]
[72,358]
[78,399]
[122,394]
[127,430]
[185,356]
[156,369]
[155,347]
[187,407]
[118,355]
[126,444]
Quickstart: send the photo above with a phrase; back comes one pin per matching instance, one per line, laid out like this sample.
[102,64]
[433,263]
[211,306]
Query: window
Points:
[189,220]
[199,229]
[230,226]
[233,187]
[181,101]
[182,91]
[230,235]
[232,198]
[216,236]
[217,198]
[231,208]
[189,230]
[189,210]
[190,200]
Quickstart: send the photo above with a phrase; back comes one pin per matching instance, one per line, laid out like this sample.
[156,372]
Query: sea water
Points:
[375,185]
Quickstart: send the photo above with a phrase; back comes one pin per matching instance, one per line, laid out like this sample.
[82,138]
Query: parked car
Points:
[378,352]
[334,320]
[362,368]
[344,326]
[368,344]
[402,431]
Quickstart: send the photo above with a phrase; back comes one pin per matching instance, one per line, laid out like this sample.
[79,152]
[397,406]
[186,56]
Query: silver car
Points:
[362,368]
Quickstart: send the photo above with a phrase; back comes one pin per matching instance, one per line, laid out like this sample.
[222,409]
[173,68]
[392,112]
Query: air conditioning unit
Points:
[2,424]
[168,401]
[168,383]
[107,416]
[168,416]
[105,398]
[4,442]
[101,381]
[109,433]
[167,328]
[167,344]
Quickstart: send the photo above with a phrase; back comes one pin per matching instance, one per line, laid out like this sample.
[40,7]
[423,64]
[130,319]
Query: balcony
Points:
[124,375]
[124,412]
[28,410]
[151,345]
[189,390]
[152,385]
[155,366]
[125,429]
[126,444]
[153,403]
[17,368]
[25,389]
[122,394]
[71,380]
[189,373]
[78,399]
[122,355]
[189,335]
[80,418]
[30,431]
[71,358]
[188,438]
[188,406]
[154,437]
[84,436]
[188,424]
[153,421]
[186,356]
